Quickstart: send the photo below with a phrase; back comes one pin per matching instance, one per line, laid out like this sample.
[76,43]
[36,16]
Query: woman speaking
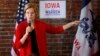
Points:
[31,33]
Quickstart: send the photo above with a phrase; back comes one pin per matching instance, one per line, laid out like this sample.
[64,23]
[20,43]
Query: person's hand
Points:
[69,25]
[75,23]
[28,30]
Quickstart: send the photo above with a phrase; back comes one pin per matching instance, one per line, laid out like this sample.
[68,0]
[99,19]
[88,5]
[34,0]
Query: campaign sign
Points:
[52,9]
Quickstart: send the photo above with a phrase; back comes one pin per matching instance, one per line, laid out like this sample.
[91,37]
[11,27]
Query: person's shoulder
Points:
[40,21]
[22,24]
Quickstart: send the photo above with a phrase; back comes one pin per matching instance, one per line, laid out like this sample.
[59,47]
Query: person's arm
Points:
[69,25]
[19,38]
[28,29]
[22,40]
[59,29]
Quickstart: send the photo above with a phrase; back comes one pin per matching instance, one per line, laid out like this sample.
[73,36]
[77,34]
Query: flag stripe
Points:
[85,3]
[20,18]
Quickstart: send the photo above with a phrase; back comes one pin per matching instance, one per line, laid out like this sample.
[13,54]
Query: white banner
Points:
[52,9]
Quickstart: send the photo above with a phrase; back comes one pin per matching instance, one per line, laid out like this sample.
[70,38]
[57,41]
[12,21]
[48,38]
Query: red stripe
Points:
[16,50]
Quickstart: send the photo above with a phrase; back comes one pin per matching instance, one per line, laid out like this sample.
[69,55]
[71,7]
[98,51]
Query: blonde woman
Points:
[31,33]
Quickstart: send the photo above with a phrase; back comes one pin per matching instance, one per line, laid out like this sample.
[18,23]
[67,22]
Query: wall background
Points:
[58,44]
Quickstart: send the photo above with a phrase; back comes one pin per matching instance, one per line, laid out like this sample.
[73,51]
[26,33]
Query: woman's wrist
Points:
[72,24]
[24,38]
[26,34]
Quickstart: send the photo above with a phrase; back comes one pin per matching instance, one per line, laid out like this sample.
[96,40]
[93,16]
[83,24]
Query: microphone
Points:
[29,23]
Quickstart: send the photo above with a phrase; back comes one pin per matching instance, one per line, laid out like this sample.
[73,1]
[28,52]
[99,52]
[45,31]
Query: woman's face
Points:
[30,14]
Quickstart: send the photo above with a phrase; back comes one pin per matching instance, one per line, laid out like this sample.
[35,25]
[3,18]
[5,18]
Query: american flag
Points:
[86,42]
[20,18]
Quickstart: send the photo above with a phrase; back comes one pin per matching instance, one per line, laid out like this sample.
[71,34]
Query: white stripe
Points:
[14,37]
[13,52]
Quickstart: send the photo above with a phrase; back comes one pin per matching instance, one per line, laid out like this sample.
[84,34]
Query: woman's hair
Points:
[29,5]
